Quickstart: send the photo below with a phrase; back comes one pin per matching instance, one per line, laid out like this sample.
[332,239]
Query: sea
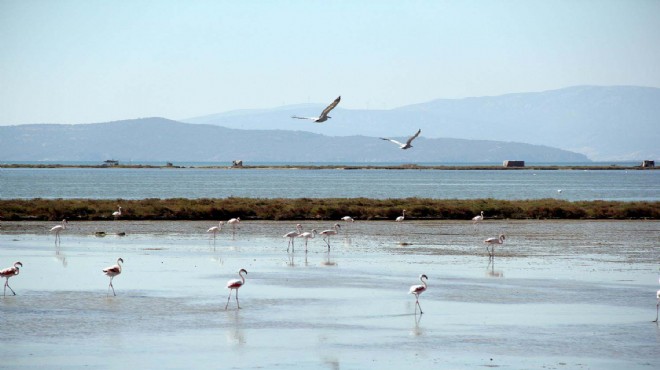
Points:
[197,180]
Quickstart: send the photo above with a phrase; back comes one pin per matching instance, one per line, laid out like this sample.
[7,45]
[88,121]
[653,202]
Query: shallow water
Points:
[560,294]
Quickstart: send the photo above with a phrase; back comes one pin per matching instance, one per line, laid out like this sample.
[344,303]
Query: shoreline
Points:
[343,167]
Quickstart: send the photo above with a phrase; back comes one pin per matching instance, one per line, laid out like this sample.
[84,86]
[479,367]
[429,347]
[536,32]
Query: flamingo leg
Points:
[420,307]
[7,286]
[111,286]
[657,306]
[237,304]
[228,298]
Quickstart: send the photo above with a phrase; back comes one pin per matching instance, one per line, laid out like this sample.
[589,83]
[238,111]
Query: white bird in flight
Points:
[324,115]
[407,144]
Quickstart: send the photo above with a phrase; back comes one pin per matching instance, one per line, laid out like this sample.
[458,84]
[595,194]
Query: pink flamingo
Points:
[233,222]
[493,241]
[235,284]
[308,235]
[9,272]
[113,271]
[402,217]
[116,214]
[292,235]
[215,229]
[327,233]
[477,219]
[57,229]
[417,290]
[348,219]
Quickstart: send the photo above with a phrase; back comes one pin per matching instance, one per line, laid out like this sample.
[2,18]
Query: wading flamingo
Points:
[348,219]
[9,272]
[477,219]
[417,290]
[324,115]
[492,242]
[327,233]
[402,217]
[308,235]
[235,284]
[407,143]
[292,235]
[57,229]
[113,271]
[116,214]
[233,222]
[215,229]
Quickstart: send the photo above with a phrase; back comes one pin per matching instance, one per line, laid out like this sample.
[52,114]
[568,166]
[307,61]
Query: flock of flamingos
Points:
[235,284]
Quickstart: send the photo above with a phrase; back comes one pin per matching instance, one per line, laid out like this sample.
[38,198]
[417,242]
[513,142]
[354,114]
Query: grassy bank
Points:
[333,209]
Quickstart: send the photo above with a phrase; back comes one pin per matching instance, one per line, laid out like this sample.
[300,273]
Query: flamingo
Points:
[235,284]
[215,229]
[57,229]
[9,272]
[116,214]
[324,115]
[327,233]
[402,217]
[417,290]
[233,222]
[477,219]
[113,271]
[348,219]
[407,144]
[493,241]
[657,305]
[308,235]
[292,235]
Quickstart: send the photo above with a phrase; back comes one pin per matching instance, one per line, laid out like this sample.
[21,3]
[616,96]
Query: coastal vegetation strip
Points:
[321,209]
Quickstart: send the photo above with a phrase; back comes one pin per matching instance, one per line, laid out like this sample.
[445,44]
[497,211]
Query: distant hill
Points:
[159,139]
[604,123]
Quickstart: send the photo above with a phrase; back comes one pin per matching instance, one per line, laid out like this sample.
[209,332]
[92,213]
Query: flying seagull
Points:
[324,115]
[407,144]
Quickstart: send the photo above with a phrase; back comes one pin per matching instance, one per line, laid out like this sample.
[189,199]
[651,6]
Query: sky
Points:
[85,61]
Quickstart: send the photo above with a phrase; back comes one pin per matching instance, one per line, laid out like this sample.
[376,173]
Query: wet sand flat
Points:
[559,294]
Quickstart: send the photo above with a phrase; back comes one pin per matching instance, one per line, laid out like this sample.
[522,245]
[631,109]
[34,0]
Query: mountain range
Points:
[575,124]
[605,123]
[160,139]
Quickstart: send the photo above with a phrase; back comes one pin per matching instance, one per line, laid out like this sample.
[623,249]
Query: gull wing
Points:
[309,118]
[330,107]
[413,137]
[394,141]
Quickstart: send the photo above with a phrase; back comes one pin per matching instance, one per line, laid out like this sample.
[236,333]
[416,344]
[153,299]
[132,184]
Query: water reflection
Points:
[328,261]
[234,334]
[417,330]
[490,269]
[60,256]
[291,260]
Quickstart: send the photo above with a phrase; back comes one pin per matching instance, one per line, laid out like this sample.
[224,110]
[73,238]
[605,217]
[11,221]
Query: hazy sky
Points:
[94,61]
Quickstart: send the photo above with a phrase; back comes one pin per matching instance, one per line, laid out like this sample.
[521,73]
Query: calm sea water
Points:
[331,183]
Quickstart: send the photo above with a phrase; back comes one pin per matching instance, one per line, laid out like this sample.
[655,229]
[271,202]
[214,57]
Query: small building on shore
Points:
[111,162]
[648,163]
[514,164]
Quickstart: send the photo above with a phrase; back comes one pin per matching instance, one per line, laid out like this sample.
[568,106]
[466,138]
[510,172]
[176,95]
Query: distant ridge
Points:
[160,139]
[603,122]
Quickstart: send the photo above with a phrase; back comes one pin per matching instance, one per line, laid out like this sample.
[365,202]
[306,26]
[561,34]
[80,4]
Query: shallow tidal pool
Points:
[557,295]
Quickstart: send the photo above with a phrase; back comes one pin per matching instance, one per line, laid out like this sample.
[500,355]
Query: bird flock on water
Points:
[235,284]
